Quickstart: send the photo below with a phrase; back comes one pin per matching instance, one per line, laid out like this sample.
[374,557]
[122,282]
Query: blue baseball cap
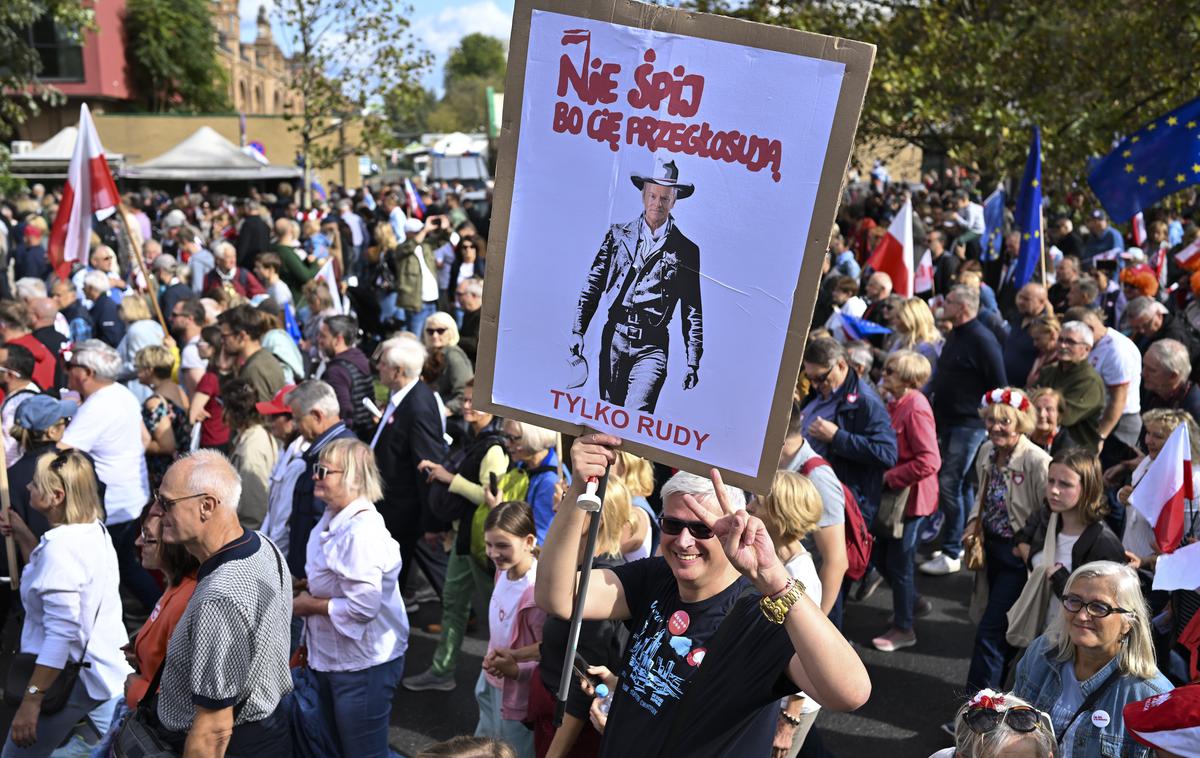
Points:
[40,412]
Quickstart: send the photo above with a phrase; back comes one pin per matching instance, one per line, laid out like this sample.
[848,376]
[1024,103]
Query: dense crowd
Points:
[238,453]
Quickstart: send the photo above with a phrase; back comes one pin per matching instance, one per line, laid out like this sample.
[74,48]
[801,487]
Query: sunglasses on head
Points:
[675,526]
[322,472]
[1020,718]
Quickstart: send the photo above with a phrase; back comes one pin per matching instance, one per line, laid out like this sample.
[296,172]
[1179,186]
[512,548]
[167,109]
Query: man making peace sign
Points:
[718,570]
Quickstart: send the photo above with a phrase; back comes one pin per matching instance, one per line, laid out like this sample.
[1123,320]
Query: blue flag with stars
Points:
[1160,158]
[993,220]
[1028,218]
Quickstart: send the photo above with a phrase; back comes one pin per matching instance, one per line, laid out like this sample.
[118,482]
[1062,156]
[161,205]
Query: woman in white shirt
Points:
[72,605]
[355,623]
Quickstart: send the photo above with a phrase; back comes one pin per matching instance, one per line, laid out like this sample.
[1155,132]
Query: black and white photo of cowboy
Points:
[644,268]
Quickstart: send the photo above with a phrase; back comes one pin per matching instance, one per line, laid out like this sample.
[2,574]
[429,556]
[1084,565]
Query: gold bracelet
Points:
[776,609]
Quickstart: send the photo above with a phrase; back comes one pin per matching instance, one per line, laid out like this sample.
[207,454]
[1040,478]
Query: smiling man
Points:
[717,601]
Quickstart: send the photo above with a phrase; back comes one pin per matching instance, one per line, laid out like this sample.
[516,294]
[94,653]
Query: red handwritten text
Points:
[619,419]
[652,88]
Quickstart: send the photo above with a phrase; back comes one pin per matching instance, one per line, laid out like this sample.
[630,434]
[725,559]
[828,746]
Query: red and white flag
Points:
[1190,254]
[1139,229]
[894,253]
[325,274]
[89,189]
[923,279]
[1161,493]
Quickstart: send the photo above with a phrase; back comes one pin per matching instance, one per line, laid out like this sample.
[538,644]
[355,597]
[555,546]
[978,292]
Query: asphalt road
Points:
[914,690]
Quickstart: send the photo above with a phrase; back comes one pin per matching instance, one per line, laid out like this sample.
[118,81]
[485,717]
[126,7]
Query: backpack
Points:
[859,539]
[514,485]
[444,504]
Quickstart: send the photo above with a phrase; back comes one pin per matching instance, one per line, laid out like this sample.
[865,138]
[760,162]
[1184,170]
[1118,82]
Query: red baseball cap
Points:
[276,406]
[1170,721]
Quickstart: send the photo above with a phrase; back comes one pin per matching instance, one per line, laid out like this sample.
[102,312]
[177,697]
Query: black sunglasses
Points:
[1095,608]
[675,526]
[1020,718]
[436,330]
[167,504]
[322,472]
[817,381]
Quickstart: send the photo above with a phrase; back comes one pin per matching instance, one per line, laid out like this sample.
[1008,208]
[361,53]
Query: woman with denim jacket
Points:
[1097,653]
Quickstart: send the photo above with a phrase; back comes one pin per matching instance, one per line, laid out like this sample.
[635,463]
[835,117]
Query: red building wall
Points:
[105,73]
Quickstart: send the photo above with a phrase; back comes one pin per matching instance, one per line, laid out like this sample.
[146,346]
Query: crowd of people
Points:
[224,469]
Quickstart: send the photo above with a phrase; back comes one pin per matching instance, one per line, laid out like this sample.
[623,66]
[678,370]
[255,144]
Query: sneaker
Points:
[941,565]
[948,728]
[868,585]
[429,681]
[894,639]
[932,527]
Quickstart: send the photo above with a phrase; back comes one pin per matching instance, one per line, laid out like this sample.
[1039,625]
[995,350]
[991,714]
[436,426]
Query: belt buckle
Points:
[634,332]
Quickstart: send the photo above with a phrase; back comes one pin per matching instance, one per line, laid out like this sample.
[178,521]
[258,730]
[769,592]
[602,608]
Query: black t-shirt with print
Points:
[736,713]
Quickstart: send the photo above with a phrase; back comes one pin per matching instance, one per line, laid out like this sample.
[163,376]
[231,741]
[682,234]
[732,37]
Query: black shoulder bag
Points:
[20,671]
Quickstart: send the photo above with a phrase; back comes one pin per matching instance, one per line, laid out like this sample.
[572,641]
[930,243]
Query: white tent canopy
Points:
[51,159]
[206,156]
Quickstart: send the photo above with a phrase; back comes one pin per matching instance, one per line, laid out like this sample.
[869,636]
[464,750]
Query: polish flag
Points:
[1161,493]
[89,190]
[325,274]
[894,253]
[416,208]
[923,279]
[1190,255]
[1139,229]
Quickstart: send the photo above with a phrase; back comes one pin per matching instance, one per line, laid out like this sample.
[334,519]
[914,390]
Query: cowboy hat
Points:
[667,175]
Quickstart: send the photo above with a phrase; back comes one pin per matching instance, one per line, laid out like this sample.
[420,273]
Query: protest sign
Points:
[665,188]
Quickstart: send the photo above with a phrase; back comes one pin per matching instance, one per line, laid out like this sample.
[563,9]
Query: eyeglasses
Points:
[675,526]
[816,381]
[1070,342]
[1020,718]
[322,472]
[438,330]
[513,438]
[167,504]
[1095,608]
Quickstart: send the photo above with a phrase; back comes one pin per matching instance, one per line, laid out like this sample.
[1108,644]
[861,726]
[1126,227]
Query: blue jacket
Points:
[541,493]
[864,446]
[106,321]
[1039,681]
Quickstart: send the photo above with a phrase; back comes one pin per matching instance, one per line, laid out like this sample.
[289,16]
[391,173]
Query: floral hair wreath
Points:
[987,699]
[1015,398]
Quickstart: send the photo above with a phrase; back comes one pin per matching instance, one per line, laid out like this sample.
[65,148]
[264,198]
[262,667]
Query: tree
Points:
[175,61]
[20,63]
[463,108]
[967,78]
[477,55]
[348,57]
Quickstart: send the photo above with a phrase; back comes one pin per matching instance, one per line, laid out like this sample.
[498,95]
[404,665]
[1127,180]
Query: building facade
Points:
[258,70]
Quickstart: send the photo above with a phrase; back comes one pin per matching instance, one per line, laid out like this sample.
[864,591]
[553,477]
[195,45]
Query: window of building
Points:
[61,56]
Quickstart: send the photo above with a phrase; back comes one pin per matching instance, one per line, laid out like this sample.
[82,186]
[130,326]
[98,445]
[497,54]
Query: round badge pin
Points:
[1100,719]
[696,657]
[678,623]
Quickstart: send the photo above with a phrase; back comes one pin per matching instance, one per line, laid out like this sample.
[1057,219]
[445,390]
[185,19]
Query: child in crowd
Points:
[515,623]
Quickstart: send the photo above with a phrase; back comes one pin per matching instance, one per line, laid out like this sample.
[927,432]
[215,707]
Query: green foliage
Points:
[477,55]
[350,60]
[173,59]
[967,78]
[407,111]
[23,95]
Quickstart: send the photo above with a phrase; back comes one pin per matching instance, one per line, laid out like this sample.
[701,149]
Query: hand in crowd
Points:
[435,472]
[24,724]
[785,731]
[492,499]
[501,662]
[12,524]
[170,343]
[591,455]
[603,674]
[1021,550]
[822,429]
[304,604]
[743,537]
[560,489]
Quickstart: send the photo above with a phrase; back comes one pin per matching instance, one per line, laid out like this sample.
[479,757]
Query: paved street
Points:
[923,684]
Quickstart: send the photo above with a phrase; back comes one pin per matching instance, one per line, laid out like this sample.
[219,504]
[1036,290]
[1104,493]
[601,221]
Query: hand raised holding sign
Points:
[744,539]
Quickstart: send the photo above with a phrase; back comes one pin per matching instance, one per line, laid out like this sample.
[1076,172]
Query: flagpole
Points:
[1042,240]
[135,246]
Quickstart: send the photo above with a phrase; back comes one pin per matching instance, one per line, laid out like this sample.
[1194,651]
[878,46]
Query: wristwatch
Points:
[33,689]
[776,608]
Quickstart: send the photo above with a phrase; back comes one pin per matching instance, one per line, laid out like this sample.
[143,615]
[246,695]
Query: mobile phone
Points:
[580,667]
[494,483]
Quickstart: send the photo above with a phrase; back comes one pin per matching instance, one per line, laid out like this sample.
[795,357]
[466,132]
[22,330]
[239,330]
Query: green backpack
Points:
[514,485]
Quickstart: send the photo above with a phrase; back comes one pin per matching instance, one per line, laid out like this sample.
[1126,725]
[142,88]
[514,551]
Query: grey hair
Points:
[313,395]
[968,297]
[993,744]
[212,472]
[859,354]
[404,353]
[701,488]
[1140,306]
[824,352]
[221,246]
[1137,657]
[1172,355]
[534,438]
[474,285]
[1080,330]
[29,287]
[96,280]
[98,357]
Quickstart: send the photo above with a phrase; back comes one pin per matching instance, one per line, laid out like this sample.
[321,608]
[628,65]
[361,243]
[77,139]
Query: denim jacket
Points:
[1039,681]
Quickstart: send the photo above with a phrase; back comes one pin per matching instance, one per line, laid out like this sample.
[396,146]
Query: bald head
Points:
[42,311]
[1032,300]
[879,286]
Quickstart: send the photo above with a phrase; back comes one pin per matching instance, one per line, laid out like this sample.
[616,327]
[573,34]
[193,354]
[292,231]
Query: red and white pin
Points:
[696,657]
[678,623]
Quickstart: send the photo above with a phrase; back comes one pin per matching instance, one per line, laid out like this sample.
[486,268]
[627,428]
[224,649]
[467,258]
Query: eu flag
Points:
[1160,158]
[993,220]
[1028,218]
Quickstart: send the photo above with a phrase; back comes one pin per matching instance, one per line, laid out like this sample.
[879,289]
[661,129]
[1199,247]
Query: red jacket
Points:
[918,460]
